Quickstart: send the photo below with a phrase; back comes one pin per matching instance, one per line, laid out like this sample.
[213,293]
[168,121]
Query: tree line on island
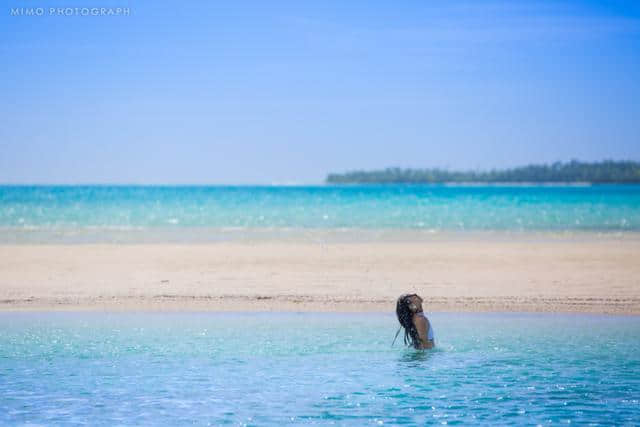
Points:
[605,172]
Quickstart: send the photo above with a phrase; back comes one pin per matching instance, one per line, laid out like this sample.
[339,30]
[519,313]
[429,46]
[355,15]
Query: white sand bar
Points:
[591,274]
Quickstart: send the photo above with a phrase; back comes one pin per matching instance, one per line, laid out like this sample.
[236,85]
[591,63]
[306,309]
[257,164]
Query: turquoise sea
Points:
[306,368]
[68,213]
[326,369]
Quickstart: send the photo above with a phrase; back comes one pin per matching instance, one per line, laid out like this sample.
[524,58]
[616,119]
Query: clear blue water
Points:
[437,208]
[273,369]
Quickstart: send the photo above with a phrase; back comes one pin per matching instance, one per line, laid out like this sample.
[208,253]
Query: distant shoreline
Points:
[329,184]
[606,172]
[492,184]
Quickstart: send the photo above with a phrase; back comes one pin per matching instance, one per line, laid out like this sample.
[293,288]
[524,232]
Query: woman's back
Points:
[425,330]
[429,327]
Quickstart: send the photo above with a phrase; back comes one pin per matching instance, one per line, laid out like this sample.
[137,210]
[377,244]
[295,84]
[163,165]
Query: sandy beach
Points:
[589,274]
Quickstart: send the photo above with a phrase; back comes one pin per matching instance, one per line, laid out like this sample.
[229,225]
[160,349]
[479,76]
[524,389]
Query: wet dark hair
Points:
[405,317]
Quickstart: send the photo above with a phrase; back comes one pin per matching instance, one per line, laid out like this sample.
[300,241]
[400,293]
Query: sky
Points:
[284,92]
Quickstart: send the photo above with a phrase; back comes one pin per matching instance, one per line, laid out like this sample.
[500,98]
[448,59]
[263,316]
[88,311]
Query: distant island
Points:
[605,172]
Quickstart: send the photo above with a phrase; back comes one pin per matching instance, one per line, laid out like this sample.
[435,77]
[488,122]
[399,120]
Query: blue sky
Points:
[261,92]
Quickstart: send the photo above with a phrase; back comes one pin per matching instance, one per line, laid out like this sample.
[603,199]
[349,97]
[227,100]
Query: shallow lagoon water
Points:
[108,209]
[304,368]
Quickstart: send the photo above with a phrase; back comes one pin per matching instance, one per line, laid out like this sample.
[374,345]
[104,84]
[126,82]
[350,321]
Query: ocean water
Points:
[53,212]
[327,369]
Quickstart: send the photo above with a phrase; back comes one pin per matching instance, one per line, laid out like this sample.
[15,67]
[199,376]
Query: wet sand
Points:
[587,274]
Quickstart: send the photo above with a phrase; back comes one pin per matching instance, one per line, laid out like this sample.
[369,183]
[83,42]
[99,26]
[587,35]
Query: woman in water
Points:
[417,329]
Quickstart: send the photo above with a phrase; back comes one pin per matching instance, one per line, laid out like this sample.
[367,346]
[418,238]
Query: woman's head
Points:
[406,306]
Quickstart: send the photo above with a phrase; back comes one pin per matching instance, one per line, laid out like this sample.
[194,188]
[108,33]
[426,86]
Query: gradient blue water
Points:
[268,369]
[601,208]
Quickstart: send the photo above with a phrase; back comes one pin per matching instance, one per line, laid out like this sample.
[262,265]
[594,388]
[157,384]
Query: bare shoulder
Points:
[422,326]
[420,320]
